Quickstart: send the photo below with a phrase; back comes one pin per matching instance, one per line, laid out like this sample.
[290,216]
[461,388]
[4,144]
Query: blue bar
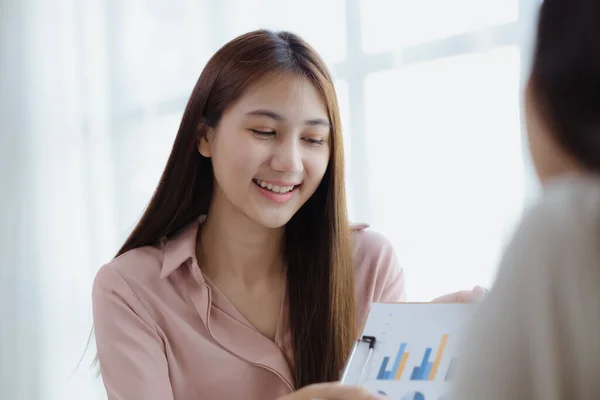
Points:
[425,376]
[383,374]
[398,359]
[420,373]
[426,358]
[416,375]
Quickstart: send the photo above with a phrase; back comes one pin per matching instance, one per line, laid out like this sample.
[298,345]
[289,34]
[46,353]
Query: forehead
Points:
[288,94]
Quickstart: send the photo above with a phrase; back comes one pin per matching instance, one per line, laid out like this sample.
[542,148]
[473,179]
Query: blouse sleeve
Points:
[130,351]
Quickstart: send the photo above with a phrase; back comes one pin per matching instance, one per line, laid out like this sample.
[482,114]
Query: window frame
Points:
[354,69]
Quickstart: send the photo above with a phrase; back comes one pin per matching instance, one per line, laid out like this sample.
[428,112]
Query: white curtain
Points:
[90,97]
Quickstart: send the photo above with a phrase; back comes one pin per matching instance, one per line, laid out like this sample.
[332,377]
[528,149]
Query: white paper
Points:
[417,348]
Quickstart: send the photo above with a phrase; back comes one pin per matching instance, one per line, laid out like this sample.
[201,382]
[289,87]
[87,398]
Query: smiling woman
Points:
[273,142]
[244,258]
[244,278]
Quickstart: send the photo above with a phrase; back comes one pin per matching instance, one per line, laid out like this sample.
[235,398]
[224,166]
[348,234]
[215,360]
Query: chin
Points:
[272,219]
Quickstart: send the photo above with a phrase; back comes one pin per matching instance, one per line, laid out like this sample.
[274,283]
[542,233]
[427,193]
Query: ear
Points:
[205,142]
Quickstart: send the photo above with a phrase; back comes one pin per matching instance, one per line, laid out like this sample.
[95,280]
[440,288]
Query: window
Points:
[142,146]
[445,163]
[389,25]
[430,100]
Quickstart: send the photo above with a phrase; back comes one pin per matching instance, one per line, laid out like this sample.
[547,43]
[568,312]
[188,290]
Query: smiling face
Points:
[270,150]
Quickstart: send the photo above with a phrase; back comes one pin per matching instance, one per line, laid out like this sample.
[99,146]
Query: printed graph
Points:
[395,372]
[417,353]
[393,368]
[428,369]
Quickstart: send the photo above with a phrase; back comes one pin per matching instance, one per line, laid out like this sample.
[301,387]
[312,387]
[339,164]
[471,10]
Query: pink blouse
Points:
[164,332]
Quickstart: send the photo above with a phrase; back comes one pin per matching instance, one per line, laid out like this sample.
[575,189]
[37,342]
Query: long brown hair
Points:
[320,270]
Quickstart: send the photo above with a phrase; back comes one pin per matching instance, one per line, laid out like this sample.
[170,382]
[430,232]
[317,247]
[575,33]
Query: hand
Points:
[477,295]
[331,391]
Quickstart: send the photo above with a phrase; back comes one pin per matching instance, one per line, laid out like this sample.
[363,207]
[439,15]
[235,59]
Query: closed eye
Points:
[314,141]
[262,133]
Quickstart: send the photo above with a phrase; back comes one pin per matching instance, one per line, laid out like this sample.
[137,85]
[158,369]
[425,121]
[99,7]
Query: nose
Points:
[287,157]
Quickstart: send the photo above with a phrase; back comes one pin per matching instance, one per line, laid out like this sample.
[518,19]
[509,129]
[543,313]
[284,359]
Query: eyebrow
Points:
[280,118]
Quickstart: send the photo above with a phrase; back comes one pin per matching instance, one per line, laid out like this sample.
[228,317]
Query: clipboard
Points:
[409,351]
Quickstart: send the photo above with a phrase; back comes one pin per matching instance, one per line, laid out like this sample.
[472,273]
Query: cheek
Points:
[233,159]
[316,164]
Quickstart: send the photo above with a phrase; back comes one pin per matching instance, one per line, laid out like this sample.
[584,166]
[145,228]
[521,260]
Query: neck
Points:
[233,247]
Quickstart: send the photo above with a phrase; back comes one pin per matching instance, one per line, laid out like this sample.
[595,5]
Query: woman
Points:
[538,334]
[244,278]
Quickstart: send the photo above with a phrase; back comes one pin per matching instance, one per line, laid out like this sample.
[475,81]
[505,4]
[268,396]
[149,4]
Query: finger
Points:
[478,294]
[456,297]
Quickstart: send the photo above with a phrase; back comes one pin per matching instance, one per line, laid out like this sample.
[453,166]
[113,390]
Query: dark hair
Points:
[320,270]
[565,78]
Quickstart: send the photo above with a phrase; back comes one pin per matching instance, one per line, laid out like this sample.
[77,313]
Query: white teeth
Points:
[274,188]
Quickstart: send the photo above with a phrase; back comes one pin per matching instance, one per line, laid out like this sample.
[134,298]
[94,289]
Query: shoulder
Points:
[557,235]
[379,276]
[548,278]
[568,208]
[569,198]
[369,245]
[135,268]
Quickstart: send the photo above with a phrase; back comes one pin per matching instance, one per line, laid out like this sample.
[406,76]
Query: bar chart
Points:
[396,370]
[427,370]
[413,350]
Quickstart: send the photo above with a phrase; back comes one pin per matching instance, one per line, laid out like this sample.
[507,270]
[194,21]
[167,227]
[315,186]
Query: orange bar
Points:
[401,366]
[438,358]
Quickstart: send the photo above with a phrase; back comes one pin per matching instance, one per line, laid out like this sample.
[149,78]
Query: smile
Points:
[274,188]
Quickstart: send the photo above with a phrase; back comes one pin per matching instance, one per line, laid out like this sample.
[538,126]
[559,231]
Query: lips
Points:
[276,192]
[275,188]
